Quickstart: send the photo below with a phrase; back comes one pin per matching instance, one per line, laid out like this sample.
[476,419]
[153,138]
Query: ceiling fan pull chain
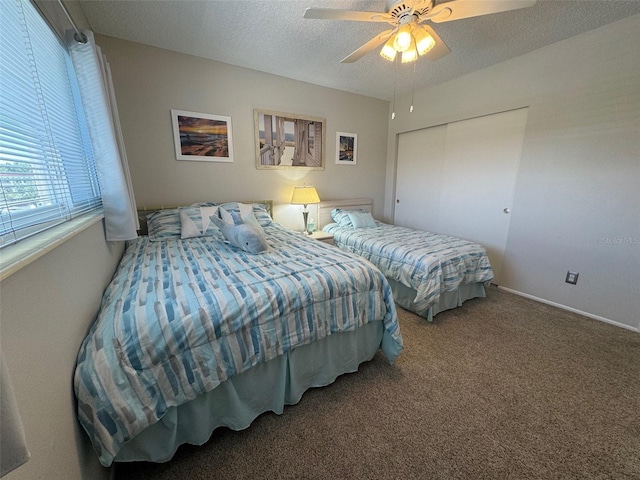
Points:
[413,85]
[395,81]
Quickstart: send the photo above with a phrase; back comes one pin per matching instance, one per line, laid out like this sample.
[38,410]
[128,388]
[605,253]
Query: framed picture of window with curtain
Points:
[202,137]
[289,141]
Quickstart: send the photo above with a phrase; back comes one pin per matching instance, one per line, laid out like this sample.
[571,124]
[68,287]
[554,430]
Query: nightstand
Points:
[323,237]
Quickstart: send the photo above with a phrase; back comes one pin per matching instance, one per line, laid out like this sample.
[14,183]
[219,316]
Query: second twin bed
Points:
[428,272]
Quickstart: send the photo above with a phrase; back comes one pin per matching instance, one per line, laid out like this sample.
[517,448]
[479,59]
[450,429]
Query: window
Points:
[47,169]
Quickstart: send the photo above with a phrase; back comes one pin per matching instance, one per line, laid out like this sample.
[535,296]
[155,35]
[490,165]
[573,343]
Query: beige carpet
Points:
[501,388]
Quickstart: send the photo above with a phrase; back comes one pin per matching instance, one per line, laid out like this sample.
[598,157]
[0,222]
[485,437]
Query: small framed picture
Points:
[202,137]
[346,148]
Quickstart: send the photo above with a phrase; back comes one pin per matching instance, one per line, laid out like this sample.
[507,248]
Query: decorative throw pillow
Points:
[259,210]
[164,224]
[242,235]
[362,220]
[196,221]
[242,216]
[250,219]
[262,215]
[341,217]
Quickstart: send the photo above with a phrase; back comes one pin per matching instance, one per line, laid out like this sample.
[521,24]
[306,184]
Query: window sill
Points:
[21,254]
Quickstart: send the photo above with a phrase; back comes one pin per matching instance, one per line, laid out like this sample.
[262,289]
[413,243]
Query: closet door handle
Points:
[397,200]
[507,210]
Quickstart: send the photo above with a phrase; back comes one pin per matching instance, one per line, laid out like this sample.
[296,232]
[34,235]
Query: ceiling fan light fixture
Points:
[388,52]
[403,38]
[410,54]
[405,17]
[424,41]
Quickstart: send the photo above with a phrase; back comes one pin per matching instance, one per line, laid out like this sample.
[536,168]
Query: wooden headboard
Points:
[325,207]
[144,211]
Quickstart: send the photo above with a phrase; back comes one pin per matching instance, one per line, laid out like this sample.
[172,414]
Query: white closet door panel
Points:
[418,177]
[482,156]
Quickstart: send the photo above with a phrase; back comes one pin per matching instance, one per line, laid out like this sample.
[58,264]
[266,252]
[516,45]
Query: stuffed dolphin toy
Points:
[242,235]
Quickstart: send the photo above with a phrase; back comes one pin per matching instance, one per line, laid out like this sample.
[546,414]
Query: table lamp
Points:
[304,196]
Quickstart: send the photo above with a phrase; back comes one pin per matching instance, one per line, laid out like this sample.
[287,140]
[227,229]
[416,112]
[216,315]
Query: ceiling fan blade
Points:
[367,47]
[356,16]
[457,9]
[419,5]
[439,50]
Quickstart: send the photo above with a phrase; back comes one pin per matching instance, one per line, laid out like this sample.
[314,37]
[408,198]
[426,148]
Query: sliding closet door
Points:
[418,177]
[481,165]
[476,175]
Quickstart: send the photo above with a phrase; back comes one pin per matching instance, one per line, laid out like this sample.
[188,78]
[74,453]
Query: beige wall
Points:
[577,199]
[149,82]
[46,311]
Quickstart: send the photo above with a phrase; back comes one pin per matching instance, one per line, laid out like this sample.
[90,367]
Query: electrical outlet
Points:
[572,277]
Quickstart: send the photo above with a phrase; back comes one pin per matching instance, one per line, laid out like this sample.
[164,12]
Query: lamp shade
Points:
[403,38]
[424,41]
[410,54]
[304,196]
[388,51]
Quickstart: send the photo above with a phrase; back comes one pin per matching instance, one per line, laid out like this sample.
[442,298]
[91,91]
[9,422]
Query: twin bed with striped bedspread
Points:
[429,272]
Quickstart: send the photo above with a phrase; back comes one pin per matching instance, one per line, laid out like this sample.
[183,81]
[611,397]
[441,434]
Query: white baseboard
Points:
[574,310]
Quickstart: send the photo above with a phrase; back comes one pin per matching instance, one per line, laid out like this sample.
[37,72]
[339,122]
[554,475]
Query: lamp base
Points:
[305,215]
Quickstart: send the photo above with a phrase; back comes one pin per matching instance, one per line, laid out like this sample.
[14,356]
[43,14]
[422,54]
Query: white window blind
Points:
[47,170]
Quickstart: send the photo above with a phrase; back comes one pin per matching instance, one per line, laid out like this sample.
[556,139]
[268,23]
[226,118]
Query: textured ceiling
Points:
[271,36]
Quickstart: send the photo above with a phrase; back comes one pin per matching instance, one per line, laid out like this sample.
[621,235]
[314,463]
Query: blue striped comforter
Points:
[429,263]
[182,316]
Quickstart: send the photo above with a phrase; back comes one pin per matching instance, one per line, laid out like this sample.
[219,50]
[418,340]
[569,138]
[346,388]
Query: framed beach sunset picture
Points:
[202,137]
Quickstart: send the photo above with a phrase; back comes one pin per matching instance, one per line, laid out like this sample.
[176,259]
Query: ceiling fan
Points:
[408,34]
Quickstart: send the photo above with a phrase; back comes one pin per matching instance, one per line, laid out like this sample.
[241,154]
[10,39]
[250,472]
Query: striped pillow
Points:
[342,218]
[259,210]
[164,224]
